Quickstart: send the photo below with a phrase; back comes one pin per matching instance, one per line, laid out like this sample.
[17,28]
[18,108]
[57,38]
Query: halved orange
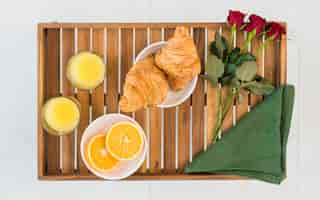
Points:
[98,156]
[124,141]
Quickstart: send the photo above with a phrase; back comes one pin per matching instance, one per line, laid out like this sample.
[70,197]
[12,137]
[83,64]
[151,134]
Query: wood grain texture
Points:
[52,25]
[41,77]
[155,177]
[141,40]
[170,128]
[183,134]
[212,97]
[283,57]
[242,107]
[67,90]
[112,71]
[228,121]
[126,56]
[198,98]
[256,49]
[83,97]
[97,96]
[155,122]
[169,140]
[51,89]
[270,61]
[277,65]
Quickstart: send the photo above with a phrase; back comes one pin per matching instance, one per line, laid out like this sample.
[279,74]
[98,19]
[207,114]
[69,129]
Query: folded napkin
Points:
[256,146]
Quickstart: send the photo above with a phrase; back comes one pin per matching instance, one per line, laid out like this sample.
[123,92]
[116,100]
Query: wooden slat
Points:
[140,177]
[112,71]
[67,90]
[183,134]
[257,51]
[228,121]
[212,98]
[41,78]
[270,61]
[97,97]
[169,139]
[277,64]
[83,97]
[155,122]
[126,55]
[242,107]
[51,87]
[141,40]
[169,129]
[198,100]
[283,57]
[130,25]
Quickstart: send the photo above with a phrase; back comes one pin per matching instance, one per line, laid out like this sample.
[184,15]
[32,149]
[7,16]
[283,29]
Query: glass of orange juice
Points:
[86,70]
[60,115]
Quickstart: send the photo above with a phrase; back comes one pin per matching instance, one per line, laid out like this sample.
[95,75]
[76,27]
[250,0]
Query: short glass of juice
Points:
[61,115]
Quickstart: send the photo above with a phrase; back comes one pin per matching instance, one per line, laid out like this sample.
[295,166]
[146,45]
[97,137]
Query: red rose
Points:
[255,23]
[235,18]
[275,30]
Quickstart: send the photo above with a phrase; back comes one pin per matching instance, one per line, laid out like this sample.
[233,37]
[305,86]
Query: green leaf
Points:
[214,68]
[226,80]
[231,81]
[234,54]
[247,71]
[214,49]
[235,83]
[231,69]
[259,88]
[245,57]
[222,45]
[213,81]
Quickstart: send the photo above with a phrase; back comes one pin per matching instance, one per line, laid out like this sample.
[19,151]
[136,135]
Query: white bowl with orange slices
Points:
[113,146]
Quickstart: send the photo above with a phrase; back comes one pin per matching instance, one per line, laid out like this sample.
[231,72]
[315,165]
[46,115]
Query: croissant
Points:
[145,85]
[179,59]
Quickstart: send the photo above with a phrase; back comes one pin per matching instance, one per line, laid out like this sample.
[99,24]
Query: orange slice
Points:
[124,141]
[98,156]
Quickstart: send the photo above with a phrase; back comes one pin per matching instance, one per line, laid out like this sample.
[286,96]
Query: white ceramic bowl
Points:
[173,98]
[124,168]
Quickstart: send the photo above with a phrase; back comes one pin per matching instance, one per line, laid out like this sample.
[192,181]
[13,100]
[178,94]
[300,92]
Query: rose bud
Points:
[235,18]
[255,23]
[274,30]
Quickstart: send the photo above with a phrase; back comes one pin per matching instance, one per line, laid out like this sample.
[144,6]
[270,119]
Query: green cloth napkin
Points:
[256,146]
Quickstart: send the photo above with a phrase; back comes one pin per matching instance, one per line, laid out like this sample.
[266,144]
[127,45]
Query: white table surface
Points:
[18,57]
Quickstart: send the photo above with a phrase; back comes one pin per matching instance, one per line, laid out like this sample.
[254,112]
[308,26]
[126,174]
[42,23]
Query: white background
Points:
[18,19]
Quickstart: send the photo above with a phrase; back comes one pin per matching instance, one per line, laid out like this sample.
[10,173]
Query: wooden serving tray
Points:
[175,135]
